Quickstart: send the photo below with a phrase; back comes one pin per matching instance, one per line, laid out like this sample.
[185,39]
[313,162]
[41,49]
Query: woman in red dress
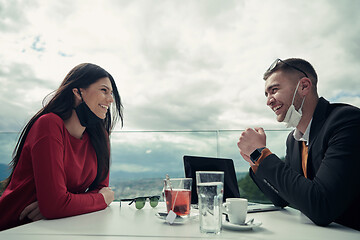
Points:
[60,165]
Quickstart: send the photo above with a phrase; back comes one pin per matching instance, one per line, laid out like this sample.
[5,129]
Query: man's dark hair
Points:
[291,65]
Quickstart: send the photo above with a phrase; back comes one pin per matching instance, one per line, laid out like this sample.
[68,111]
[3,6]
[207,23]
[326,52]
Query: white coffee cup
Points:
[236,209]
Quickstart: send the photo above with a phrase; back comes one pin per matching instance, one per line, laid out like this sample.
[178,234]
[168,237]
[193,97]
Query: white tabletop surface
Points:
[126,222]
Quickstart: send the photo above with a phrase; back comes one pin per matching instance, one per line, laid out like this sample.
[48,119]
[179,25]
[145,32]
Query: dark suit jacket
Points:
[331,193]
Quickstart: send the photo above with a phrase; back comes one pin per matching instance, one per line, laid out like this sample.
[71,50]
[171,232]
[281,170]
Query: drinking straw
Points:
[176,197]
[169,182]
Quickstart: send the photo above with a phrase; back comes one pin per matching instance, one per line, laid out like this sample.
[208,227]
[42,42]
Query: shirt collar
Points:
[303,137]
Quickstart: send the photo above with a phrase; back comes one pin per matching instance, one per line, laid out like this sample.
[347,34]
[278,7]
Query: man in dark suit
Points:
[320,175]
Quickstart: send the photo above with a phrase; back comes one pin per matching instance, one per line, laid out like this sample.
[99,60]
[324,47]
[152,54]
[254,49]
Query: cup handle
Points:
[225,207]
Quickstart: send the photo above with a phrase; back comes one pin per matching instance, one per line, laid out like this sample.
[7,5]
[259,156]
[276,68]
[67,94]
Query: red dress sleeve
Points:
[104,183]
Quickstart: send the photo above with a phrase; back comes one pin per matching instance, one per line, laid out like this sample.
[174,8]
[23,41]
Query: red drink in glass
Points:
[179,201]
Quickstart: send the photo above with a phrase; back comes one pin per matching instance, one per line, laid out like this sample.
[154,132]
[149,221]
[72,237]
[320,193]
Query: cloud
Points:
[130,168]
[189,65]
[21,95]
[13,15]
[178,65]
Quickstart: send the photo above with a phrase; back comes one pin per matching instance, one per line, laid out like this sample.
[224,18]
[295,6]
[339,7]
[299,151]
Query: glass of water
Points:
[210,188]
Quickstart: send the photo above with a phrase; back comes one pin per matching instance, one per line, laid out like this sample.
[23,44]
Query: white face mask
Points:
[292,117]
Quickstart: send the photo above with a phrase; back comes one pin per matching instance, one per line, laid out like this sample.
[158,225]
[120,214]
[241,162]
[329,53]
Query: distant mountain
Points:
[118,175]
[4,171]
[122,175]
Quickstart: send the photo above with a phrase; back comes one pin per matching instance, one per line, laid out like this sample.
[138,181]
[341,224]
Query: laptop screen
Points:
[195,163]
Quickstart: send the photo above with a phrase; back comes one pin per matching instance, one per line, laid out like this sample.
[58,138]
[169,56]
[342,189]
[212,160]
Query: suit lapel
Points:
[295,157]
[319,117]
[298,152]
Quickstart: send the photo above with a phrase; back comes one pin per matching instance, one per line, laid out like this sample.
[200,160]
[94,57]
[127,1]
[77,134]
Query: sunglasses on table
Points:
[140,201]
[275,63]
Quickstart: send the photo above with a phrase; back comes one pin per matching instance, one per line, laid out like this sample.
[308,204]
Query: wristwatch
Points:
[255,155]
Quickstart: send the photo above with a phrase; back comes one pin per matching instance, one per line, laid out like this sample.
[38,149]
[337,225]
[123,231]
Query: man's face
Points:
[279,90]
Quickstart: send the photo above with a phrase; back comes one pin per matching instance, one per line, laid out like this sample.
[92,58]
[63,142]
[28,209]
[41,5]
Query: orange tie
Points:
[304,157]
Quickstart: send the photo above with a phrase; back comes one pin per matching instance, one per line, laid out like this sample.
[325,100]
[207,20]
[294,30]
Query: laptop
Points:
[231,189]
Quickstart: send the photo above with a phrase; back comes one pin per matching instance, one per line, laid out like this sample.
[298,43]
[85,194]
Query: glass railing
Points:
[140,159]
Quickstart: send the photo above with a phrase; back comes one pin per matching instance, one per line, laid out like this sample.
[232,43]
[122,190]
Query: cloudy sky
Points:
[178,65]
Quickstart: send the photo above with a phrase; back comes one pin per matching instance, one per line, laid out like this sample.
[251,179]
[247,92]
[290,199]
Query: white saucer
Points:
[238,227]
[178,219]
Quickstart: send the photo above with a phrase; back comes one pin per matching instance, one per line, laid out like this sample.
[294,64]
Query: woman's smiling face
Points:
[98,96]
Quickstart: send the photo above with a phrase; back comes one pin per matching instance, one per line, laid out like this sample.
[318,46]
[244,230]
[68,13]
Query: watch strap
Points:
[264,153]
[254,156]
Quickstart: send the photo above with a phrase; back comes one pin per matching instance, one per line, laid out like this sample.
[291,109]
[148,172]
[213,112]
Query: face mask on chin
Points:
[86,117]
[293,117]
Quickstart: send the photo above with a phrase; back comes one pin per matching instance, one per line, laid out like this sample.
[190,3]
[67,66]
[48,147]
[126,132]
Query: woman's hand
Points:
[108,194]
[32,212]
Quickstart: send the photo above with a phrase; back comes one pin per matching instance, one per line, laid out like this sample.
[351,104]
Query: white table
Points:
[126,222]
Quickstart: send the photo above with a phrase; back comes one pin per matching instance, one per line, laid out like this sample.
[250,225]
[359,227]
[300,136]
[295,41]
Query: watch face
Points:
[255,155]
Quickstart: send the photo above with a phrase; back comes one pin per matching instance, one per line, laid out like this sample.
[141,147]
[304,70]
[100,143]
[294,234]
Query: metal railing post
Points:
[217,144]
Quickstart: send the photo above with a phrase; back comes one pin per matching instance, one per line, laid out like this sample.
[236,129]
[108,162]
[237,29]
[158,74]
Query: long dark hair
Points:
[62,104]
